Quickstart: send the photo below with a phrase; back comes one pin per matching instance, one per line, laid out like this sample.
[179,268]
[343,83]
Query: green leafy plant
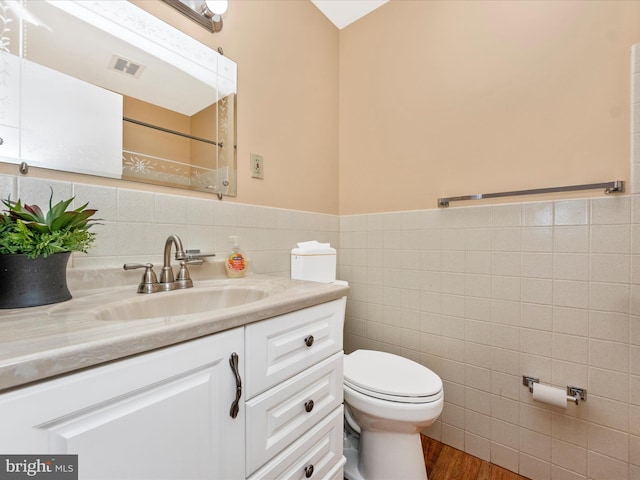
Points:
[26,229]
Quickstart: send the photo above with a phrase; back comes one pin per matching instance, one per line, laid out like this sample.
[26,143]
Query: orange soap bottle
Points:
[236,262]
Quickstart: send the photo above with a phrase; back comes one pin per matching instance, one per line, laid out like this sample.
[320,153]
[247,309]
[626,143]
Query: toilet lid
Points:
[384,375]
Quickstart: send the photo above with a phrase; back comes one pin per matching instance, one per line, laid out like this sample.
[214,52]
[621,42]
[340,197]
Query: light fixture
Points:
[207,13]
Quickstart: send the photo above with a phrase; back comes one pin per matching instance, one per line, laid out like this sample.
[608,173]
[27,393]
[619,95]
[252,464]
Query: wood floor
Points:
[446,463]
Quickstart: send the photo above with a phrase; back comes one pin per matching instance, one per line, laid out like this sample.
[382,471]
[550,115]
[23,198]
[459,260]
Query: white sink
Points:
[181,302]
[176,303]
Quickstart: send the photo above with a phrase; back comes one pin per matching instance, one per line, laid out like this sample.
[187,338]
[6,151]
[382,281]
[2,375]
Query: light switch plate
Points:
[257,166]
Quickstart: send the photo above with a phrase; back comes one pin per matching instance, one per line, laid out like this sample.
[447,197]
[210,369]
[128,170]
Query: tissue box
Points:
[313,261]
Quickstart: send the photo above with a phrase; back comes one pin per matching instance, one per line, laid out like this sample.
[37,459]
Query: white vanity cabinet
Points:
[294,394]
[164,414]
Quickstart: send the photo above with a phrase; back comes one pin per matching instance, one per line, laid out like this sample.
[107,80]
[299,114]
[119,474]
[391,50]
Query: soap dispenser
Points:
[236,263]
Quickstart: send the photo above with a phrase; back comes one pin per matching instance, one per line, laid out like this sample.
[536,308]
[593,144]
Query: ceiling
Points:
[345,12]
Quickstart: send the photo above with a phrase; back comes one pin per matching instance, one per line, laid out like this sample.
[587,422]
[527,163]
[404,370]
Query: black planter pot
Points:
[28,282]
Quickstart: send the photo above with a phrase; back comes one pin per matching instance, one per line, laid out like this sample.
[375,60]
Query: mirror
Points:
[105,88]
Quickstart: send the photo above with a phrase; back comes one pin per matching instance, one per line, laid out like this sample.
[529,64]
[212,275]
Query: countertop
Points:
[41,342]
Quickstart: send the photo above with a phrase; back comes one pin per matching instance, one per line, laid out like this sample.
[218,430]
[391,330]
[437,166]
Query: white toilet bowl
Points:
[388,400]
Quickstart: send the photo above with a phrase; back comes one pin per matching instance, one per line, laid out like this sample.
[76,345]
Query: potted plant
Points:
[35,248]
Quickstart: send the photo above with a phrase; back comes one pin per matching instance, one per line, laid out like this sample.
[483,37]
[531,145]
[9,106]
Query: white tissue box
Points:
[316,263]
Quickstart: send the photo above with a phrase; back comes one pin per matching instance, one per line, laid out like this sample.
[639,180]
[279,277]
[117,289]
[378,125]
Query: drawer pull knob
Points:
[308,471]
[309,340]
[1,140]
[308,406]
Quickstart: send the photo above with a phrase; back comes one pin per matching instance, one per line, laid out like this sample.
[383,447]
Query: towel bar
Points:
[616,186]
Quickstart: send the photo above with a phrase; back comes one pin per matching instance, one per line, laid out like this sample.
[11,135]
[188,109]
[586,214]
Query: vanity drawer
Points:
[277,418]
[320,449]
[277,348]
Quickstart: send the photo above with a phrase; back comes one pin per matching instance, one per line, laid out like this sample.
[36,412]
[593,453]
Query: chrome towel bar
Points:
[616,186]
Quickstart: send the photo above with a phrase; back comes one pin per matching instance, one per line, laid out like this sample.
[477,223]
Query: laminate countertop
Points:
[41,342]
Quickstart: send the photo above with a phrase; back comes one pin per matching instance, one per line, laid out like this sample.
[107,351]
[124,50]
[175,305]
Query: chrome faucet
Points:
[167,280]
[150,284]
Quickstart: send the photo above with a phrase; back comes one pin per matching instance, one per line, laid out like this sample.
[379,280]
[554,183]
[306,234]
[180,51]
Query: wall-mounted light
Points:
[207,13]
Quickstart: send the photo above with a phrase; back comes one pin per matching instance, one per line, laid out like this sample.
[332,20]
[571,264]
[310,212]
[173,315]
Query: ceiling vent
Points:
[128,67]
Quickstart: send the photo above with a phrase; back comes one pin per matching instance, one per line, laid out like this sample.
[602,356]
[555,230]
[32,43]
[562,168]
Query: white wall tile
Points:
[537,239]
[571,239]
[37,191]
[610,326]
[571,294]
[171,209]
[609,442]
[611,268]
[507,239]
[609,413]
[602,467]
[509,215]
[610,297]
[537,265]
[536,214]
[571,321]
[571,266]
[569,457]
[8,187]
[135,206]
[103,199]
[571,212]
[611,210]
[534,468]
[504,457]
[611,239]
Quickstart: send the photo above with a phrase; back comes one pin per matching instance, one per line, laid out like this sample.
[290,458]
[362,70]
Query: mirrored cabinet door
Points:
[105,88]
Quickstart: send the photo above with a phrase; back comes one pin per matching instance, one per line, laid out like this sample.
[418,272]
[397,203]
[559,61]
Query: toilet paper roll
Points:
[551,395]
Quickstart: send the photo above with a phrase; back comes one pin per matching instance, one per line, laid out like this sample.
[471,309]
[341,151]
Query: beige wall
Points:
[442,98]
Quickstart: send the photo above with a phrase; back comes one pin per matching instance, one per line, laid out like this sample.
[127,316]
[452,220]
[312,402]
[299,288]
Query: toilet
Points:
[388,399]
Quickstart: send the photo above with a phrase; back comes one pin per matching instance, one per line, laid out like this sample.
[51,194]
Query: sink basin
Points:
[177,303]
[181,302]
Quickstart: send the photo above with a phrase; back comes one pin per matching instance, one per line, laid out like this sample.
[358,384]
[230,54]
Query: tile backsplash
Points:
[135,224]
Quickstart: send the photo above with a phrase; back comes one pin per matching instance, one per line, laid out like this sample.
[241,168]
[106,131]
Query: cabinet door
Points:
[177,425]
[68,124]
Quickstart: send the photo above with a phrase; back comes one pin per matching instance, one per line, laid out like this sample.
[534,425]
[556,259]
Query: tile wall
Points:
[484,295]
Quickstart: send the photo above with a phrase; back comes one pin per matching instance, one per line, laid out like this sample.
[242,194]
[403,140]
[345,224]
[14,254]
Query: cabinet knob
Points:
[308,406]
[308,471]
[1,140]
[308,341]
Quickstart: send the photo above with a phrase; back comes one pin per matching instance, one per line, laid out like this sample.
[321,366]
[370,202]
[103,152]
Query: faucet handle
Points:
[183,279]
[149,282]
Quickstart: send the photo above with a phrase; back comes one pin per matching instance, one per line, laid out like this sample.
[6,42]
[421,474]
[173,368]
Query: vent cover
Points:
[128,67]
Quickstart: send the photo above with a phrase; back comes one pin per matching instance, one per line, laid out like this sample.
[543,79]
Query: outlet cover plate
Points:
[257,166]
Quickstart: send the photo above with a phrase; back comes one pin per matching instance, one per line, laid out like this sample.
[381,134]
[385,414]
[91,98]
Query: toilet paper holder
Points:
[574,394]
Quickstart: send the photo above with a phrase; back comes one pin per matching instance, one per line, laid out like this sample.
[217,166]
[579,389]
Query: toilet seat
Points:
[390,377]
